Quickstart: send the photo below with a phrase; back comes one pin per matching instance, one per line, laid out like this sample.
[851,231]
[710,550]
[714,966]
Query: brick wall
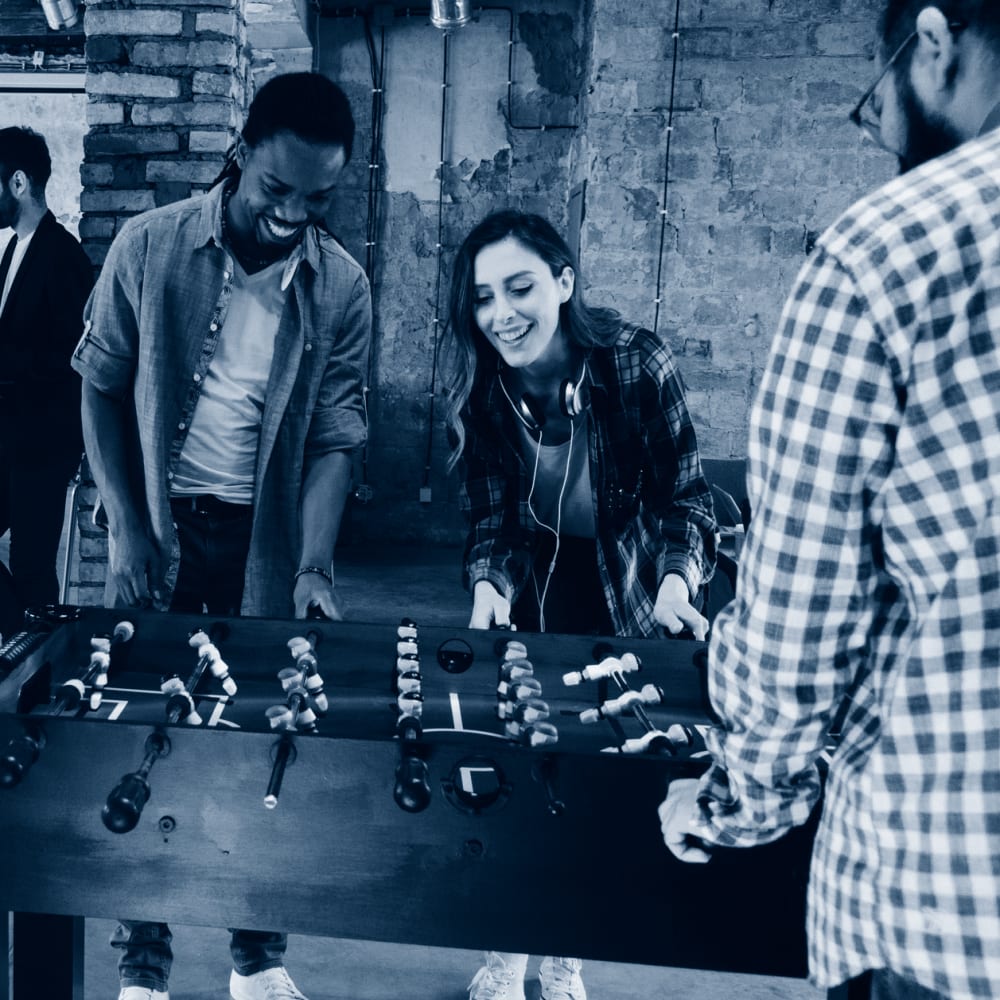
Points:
[166,87]
[762,158]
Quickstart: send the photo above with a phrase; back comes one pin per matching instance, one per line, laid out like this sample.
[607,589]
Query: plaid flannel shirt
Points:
[652,506]
[870,584]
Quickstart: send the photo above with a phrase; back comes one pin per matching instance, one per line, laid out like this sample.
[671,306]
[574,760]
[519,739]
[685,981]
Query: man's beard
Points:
[926,137]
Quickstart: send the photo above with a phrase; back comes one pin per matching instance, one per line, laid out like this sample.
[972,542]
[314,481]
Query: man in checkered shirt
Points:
[869,591]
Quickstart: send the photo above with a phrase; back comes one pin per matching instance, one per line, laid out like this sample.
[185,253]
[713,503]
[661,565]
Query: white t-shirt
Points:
[577,504]
[20,249]
[220,451]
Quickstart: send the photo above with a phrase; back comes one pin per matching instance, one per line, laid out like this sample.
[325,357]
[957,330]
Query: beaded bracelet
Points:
[325,573]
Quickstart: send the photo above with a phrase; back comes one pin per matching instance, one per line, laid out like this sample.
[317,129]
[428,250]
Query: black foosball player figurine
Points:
[580,478]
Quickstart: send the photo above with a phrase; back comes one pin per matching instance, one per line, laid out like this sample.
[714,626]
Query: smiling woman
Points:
[587,507]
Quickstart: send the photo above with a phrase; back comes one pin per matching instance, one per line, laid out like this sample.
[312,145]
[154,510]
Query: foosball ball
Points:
[471,789]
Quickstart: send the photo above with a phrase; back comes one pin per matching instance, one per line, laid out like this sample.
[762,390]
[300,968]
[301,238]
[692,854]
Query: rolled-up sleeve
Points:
[339,421]
[107,352]
[678,496]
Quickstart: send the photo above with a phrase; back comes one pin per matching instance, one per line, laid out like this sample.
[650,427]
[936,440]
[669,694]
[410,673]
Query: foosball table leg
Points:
[48,957]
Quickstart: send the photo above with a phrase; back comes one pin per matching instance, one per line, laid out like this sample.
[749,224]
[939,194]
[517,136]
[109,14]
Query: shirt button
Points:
[181,425]
[196,377]
[213,327]
[170,475]
[309,347]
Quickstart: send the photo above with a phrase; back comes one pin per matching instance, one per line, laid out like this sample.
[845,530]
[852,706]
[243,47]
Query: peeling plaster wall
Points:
[61,118]
[487,165]
[762,159]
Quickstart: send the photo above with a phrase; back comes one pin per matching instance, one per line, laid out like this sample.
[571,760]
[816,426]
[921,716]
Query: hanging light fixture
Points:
[60,13]
[450,14]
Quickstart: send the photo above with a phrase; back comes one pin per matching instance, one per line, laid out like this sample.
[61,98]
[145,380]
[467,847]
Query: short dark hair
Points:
[899,18]
[22,148]
[309,105]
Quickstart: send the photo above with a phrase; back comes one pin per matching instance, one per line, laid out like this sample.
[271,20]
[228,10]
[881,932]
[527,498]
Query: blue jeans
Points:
[214,543]
[146,954]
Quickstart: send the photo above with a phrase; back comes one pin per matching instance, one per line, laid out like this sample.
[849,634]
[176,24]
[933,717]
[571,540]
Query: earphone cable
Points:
[556,530]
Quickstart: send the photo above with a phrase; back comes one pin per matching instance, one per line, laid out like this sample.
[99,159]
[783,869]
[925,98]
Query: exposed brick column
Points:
[167,84]
[166,87]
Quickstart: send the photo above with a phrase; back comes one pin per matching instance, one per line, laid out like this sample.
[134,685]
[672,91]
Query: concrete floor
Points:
[337,969]
[384,585]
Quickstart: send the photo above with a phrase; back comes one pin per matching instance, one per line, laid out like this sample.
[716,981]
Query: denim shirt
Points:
[151,329]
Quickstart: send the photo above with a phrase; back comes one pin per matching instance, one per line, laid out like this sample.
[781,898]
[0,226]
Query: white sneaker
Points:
[142,993]
[501,978]
[271,984]
[560,979]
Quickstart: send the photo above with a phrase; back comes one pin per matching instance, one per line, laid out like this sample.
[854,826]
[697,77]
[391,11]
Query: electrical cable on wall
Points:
[425,489]
[363,492]
[666,168]
[509,11]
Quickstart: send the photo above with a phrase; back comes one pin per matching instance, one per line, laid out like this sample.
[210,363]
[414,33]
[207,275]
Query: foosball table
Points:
[471,789]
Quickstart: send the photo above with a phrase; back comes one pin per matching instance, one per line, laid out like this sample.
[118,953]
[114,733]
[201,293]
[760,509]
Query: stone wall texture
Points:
[753,96]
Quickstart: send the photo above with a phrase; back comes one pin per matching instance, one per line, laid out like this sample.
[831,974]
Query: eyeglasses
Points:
[870,123]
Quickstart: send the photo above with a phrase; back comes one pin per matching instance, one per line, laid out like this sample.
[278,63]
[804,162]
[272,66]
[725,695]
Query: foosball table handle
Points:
[20,755]
[546,772]
[124,806]
[284,754]
[412,790]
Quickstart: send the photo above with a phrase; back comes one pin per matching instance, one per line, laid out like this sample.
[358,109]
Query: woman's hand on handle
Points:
[673,608]
[488,607]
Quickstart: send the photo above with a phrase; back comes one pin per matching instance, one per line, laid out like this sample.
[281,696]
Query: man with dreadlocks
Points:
[222,358]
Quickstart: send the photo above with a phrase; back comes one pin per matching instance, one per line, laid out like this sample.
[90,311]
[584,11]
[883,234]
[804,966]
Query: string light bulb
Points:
[60,13]
[450,14]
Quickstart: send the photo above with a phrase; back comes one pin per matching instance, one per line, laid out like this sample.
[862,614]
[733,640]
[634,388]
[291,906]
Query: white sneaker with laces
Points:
[271,984]
[560,979]
[142,993]
[501,978]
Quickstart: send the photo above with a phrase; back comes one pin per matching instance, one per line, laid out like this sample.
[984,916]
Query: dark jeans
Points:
[883,984]
[146,954]
[32,505]
[574,602]
[214,540]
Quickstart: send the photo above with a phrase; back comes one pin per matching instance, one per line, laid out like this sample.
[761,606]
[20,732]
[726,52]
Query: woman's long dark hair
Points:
[309,105]
[470,359]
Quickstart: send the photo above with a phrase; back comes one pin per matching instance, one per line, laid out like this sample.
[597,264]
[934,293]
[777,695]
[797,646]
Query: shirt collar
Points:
[210,231]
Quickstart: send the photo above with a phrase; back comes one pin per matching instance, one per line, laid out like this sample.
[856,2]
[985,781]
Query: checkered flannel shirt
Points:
[870,582]
[652,505]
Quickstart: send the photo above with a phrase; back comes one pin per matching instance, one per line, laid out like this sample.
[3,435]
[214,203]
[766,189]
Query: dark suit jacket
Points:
[40,325]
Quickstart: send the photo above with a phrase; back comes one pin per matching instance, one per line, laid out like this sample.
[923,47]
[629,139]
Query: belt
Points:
[207,503]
